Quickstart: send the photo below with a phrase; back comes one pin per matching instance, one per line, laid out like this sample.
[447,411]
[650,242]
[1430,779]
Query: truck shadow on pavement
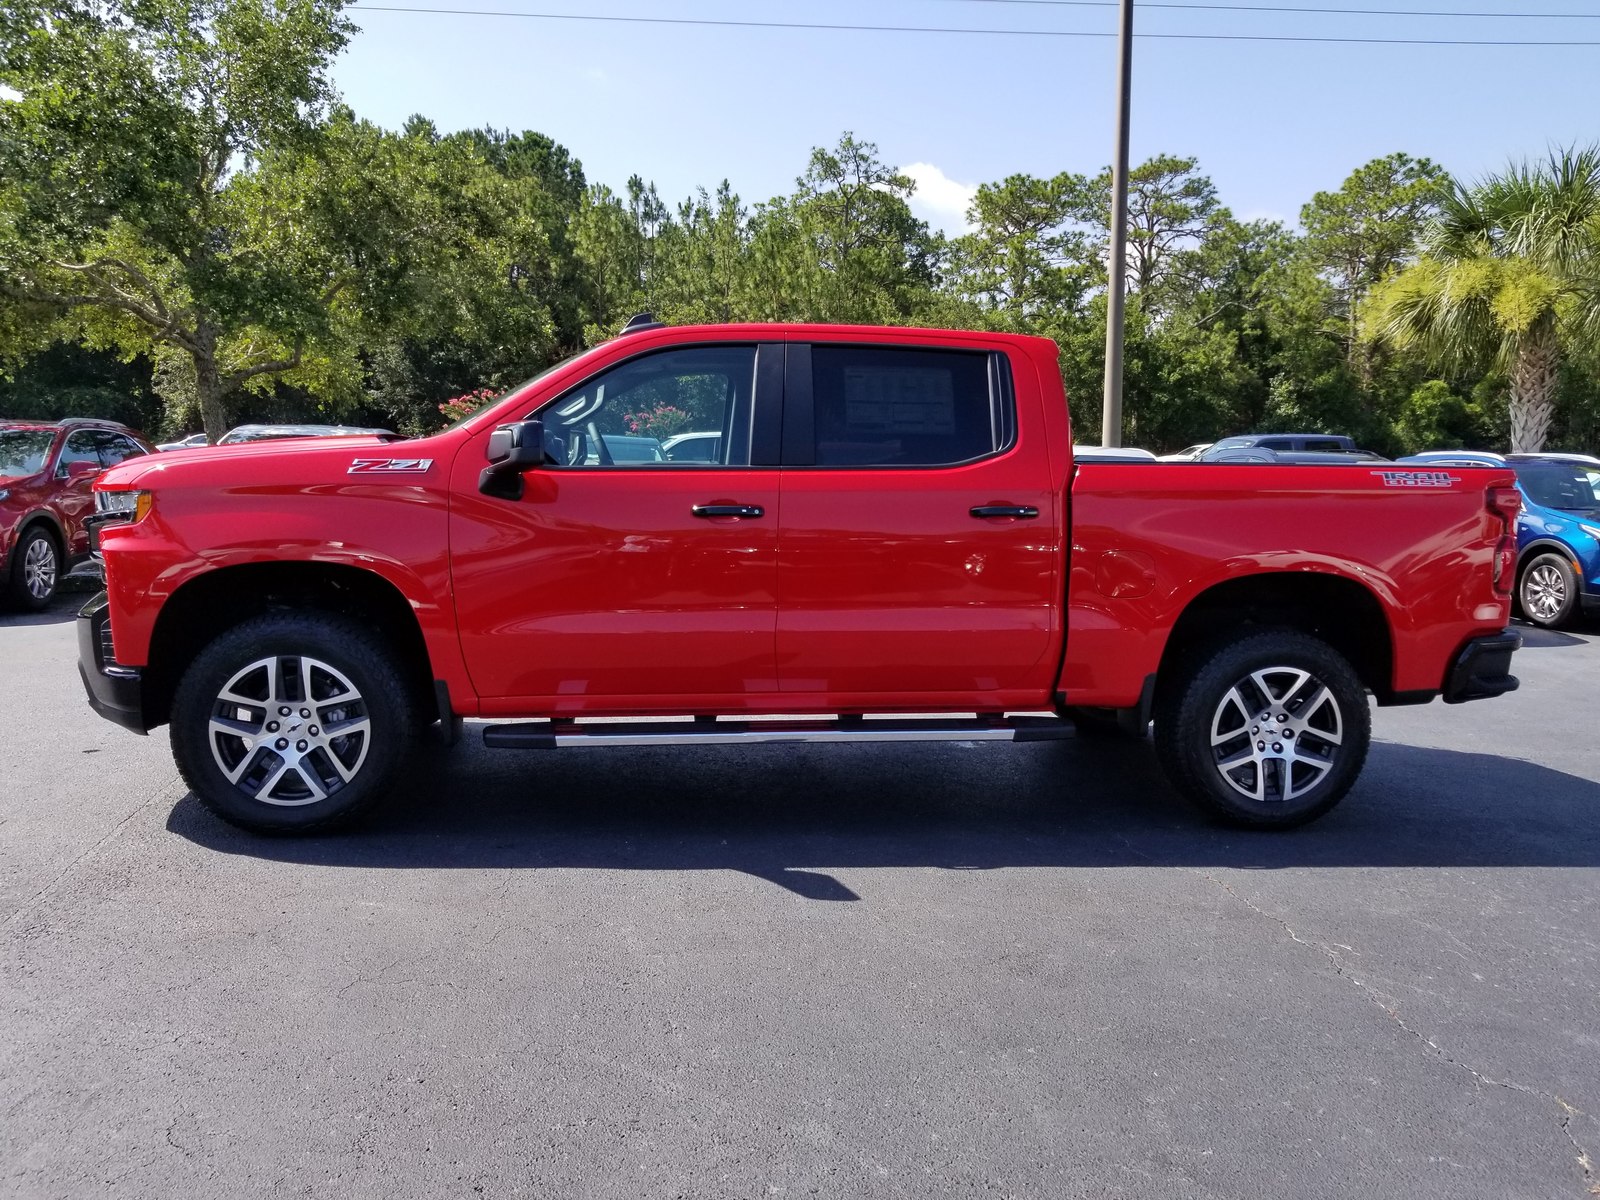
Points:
[787,814]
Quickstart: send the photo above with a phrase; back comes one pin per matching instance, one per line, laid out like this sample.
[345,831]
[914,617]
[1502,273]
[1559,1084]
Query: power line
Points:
[1281,8]
[1054,33]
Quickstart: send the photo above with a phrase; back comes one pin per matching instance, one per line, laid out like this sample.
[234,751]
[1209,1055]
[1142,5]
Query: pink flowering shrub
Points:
[660,422]
[464,406]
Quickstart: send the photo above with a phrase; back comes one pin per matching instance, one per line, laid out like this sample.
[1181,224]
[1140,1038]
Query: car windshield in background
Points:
[1559,485]
[22,451]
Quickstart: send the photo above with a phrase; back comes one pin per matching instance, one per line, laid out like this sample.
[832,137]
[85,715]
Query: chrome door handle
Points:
[728,510]
[986,511]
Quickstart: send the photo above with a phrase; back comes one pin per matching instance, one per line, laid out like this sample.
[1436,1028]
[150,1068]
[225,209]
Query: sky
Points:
[1272,122]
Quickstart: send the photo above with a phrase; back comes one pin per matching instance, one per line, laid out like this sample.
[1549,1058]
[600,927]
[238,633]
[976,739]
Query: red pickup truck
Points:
[875,534]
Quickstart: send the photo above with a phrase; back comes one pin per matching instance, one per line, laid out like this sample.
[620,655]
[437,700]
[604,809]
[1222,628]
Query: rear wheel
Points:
[291,722]
[35,569]
[1266,732]
[1548,591]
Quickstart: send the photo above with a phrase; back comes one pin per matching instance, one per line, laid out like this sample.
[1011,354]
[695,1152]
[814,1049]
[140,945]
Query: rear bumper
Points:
[1483,668]
[115,692]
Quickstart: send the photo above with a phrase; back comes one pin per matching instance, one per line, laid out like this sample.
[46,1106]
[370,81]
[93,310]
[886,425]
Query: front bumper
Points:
[115,692]
[1483,668]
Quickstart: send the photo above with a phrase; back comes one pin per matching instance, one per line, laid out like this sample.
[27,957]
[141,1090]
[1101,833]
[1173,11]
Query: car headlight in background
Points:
[130,504]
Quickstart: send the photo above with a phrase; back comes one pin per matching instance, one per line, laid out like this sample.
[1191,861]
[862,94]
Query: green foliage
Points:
[188,220]
[1509,279]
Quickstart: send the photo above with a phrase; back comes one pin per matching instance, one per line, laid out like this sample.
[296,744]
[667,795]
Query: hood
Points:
[13,480]
[285,460]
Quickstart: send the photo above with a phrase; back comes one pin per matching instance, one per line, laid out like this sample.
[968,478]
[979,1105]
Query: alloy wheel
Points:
[1276,734]
[1544,592]
[39,568]
[289,730]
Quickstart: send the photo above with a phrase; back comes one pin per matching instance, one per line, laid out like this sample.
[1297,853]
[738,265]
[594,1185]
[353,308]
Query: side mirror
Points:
[513,449]
[79,469]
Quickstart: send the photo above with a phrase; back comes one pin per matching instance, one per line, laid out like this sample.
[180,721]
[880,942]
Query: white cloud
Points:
[940,200]
[9,93]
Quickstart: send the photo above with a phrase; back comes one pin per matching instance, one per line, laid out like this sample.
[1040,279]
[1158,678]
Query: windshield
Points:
[1560,486]
[498,396]
[23,451]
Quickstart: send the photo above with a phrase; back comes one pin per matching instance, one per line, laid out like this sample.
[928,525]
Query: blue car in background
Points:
[1558,531]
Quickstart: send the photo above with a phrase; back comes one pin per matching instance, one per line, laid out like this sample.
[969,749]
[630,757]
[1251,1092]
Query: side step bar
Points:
[554,735]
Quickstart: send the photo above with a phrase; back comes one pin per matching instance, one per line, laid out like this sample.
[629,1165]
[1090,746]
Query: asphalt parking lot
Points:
[790,971]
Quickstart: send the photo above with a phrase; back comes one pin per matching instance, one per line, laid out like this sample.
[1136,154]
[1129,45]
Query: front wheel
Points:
[1266,732]
[291,722]
[35,569]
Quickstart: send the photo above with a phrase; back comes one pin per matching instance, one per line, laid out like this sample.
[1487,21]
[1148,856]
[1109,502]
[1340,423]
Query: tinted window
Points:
[81,447]
[22,451]
[621,417]
[1276,444]
[876,406]
[114,448]
[1555,485]
[1324,444]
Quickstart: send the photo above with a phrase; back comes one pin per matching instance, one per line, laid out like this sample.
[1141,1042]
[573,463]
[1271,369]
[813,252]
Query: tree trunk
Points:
[1533,392]
[208,384]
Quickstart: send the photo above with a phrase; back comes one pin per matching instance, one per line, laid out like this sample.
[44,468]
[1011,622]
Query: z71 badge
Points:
[1418,479]
[389,466]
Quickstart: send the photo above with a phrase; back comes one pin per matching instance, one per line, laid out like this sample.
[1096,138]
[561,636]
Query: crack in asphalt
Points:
[1584,1162]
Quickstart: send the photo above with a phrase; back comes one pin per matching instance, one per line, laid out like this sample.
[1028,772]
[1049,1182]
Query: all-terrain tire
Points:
[1266,731]
[292,722]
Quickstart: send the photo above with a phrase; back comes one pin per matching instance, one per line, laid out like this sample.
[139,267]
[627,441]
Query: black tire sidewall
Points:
[1183,726]
[1569,579]
[20,595]
[343,645]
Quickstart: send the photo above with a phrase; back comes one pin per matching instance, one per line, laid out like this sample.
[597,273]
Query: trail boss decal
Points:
[389,466]
[1418,479]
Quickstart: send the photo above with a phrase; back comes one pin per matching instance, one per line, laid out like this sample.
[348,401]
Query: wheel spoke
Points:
[265,790]
[237,773]
[1245,758]
[1236,701]
[233,728]
[346,728]
[309,778]
[345,773]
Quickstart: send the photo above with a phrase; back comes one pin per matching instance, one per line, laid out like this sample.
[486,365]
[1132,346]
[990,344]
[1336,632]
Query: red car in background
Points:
[47,473]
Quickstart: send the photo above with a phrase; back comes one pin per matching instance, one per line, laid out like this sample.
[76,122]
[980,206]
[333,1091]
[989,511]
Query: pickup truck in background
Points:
[892,541]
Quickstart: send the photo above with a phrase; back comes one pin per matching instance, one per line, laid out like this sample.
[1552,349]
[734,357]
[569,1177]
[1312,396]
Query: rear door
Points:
[920,541]
[620,579]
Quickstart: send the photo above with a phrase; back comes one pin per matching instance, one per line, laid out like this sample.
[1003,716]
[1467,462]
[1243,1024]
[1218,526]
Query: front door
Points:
[920,543]
[623,577]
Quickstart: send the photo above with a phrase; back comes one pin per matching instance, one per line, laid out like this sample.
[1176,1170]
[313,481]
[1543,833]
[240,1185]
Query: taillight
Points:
[1506,501]
[1505,565]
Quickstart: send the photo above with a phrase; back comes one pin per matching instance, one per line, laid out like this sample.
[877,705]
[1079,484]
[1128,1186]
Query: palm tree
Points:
[1509,273]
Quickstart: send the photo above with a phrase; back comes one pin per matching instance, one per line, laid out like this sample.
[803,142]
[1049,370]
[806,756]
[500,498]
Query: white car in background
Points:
[1187,454]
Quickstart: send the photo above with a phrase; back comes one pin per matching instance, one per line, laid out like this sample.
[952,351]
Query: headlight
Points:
[1589,529]
[130,504]
[5,494]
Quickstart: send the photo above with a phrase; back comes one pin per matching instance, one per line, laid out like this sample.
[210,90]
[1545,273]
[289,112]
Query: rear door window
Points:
[877,406]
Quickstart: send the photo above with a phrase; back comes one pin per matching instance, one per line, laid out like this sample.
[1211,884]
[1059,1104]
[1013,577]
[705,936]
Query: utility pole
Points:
[1117,280]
